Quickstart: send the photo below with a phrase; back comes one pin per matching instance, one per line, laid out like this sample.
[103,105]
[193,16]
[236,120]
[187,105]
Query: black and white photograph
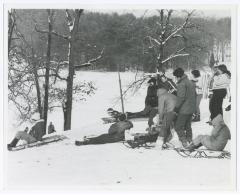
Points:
[129,97]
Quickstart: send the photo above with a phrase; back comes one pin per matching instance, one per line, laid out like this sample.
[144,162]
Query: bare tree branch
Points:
[91,61]
[179,28]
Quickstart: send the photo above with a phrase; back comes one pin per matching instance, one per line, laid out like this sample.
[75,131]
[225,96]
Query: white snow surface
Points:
[112,166]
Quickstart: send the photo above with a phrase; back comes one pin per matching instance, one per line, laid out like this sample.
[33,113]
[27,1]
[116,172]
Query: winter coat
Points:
[219,137]
[151,98]
[51,129]
[166,102]
[186,96]
[221,81]
[117,129]
[38,130]
[220,133]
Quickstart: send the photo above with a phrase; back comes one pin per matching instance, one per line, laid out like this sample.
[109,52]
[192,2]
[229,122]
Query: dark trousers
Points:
[104,138]
[144,113]
[183,127]
[215,104]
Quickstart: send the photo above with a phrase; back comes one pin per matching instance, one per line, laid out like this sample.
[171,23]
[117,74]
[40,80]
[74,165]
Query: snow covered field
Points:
[110,166]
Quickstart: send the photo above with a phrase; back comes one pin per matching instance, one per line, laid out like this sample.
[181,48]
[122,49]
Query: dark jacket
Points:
[186,96]
[51,129]
[151,98]
[117,129]
[37,130]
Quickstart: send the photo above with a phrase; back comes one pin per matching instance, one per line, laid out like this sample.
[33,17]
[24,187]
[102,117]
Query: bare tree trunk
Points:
[37,85]
[71,60]
[10,30]
[223,52]
[45,115]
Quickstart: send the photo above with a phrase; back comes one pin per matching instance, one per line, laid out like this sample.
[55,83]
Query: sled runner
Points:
[203,153]
[44,141]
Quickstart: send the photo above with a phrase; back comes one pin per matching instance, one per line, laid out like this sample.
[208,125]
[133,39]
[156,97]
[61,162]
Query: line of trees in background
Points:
[43,43]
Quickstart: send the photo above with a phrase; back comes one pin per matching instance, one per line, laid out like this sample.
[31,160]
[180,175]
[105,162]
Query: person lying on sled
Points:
[217,140]
[36,133]
[115,133]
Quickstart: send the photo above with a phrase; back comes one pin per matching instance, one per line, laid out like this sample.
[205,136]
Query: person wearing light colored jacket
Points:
[197,80]
[218,138]
[166,105]
[220,83]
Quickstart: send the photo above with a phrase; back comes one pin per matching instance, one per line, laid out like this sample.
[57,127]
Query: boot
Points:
[192,147]
[12,144]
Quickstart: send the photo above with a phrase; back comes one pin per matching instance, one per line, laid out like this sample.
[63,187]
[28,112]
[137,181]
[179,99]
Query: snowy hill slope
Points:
[64,165]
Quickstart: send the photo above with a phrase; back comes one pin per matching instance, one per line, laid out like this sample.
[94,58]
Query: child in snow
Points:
[35,134]
[51,128]
[115,133]
[217,140]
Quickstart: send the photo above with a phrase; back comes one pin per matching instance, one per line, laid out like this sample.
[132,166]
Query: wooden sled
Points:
[45,141]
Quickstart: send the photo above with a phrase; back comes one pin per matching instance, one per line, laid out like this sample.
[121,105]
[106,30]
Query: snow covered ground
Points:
[112,166]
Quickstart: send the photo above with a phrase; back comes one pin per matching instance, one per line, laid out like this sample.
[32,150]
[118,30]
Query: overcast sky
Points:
[198,13]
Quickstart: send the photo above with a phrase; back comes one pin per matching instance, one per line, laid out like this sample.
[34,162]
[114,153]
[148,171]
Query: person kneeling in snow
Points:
[115,133]
[218,139]
[35,134]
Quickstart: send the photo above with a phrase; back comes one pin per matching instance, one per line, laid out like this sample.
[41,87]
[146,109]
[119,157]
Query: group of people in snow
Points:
[186,104]
[174,105]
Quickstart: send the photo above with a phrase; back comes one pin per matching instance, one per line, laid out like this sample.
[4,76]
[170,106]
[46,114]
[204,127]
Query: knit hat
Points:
[152,80]
[179,72]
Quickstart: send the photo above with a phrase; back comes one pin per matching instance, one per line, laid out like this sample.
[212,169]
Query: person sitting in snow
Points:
[36,133]
[115,133]
[217,140]
[51,128]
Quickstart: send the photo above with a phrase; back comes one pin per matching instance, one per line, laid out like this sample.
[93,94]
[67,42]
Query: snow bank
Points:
[111,166]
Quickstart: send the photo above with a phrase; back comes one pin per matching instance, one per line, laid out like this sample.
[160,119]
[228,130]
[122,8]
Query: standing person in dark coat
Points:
[115,133]
[185,106]
[220,82]
[36,133]
[151,102]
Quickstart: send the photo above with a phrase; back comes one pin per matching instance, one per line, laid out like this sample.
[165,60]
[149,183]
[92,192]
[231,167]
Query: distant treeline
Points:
[123,38]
